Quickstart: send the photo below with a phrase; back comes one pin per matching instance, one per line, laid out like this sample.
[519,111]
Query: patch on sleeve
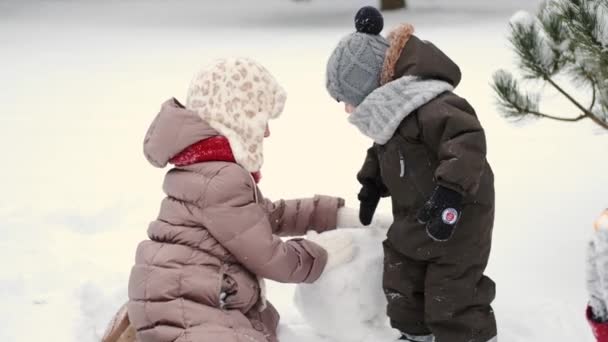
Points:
[449,216]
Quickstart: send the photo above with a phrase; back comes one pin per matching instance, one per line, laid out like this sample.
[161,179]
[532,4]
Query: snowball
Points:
[347,303]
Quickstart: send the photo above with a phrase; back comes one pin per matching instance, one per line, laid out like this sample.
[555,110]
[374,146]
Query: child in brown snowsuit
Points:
[429,156]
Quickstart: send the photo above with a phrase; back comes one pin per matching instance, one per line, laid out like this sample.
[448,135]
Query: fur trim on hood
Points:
[408,55]
[397,39]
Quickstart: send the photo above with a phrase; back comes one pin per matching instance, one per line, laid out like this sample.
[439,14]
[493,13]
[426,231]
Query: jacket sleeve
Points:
[458,139]
[242,226]
[369,176]
[296,217]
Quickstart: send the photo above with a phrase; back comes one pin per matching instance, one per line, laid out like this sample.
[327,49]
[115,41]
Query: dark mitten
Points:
[441,213]
[369,197]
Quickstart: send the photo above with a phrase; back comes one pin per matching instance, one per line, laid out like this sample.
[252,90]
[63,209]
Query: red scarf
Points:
[212,149]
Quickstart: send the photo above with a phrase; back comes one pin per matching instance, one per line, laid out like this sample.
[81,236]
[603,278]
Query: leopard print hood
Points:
[237,97]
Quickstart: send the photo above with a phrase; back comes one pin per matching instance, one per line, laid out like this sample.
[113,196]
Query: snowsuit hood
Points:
[174,129]
[407,55]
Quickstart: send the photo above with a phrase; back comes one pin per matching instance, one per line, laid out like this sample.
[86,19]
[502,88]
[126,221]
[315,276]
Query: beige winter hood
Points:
[237,97]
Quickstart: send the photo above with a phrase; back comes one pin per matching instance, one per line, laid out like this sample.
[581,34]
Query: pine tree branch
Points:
[568,96]
[598,121]
[564,36]
[547,116]
[594,96]
[587,113]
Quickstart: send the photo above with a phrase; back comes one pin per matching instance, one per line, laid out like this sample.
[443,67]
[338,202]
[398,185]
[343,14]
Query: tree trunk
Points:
[392,4]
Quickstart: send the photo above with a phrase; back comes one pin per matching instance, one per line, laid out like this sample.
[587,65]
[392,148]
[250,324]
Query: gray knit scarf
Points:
[382,111]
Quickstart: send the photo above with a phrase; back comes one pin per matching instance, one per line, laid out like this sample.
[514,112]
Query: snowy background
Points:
[81,81]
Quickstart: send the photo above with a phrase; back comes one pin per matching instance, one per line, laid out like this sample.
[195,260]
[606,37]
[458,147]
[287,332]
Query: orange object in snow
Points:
[602,221]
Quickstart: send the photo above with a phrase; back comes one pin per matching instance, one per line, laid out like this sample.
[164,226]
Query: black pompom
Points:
[369,20]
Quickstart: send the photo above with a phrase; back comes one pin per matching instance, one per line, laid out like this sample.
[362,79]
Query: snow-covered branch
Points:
[566,37]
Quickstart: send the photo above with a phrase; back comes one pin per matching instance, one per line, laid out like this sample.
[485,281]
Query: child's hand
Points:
[602,222]
[369,199]
[339,247]
[441,213]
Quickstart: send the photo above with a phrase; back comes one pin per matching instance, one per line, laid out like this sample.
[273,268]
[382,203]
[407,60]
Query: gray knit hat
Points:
[355,66]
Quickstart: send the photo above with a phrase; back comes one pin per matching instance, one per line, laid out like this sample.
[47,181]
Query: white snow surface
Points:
[81,81]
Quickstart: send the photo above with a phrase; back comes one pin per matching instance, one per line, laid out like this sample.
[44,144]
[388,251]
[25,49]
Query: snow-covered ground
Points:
[82,80]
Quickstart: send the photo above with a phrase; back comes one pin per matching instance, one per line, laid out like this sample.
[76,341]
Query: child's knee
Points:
[453,298]
[402,275]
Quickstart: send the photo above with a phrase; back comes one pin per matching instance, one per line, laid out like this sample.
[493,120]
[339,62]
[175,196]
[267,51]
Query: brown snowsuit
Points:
[435,287]
[196,278]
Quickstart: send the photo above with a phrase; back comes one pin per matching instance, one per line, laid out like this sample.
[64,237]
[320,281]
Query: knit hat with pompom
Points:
[355,66]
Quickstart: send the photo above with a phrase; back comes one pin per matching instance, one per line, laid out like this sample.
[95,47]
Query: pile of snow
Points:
[347,303]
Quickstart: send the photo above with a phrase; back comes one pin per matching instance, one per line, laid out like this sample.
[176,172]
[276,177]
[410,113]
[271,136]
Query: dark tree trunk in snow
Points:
[392,4]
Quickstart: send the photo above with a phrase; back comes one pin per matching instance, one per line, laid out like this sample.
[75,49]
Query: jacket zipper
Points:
[261,283]
[222,295]
[402,165]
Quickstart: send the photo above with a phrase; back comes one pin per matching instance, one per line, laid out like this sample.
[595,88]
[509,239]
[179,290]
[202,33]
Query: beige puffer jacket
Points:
[214,236]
